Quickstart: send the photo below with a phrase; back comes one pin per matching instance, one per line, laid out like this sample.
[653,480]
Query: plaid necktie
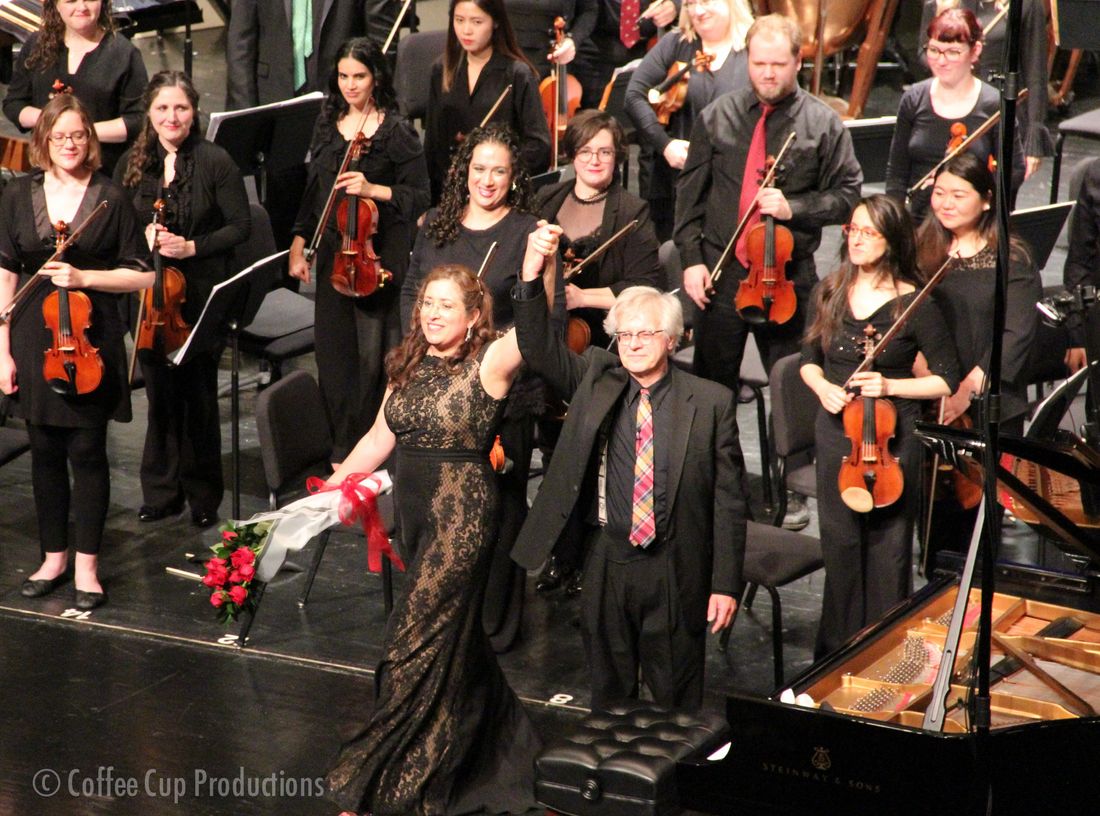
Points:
[643,522]
[629,11]
[750,182]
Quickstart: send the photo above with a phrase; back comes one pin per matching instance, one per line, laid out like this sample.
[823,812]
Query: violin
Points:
[561,95]
[870,475]
[161,328]
[357,270]
[72,366]
[578,334]
[765,295]
[671,94]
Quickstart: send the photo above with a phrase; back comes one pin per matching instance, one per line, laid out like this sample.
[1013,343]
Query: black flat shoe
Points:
[41,587]
[204,518]
[90,600]
[149,512]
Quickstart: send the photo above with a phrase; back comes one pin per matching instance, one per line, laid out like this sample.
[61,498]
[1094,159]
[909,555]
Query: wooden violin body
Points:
[561,96]
[72,365]
[357,270]
[870,476]
[162,329]
[671,95]
[578,335]
[766,295]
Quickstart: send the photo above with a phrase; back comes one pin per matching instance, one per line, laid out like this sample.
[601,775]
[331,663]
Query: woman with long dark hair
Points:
[78,50]
[204,217]
[481,59]
[446,734]
[352,335]
[868,555]
[487,201]
[68,428]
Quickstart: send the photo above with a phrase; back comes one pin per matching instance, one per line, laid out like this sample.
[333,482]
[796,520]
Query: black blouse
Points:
[460,110]
[110,81]
[925,331]
[394,158]
[114,240]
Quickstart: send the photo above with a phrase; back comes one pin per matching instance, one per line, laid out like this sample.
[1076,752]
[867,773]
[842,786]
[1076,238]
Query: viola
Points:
[561,95]
[72,366]
[870,475]
[765,295]
[357,270]
[161,328]
[671,95]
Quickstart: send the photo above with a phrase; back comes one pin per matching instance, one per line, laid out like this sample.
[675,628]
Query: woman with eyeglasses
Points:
[716,29]
[78,50]
[868,555]
[446,733]
[67,424]
[481,59]
[487,201]
[953,103]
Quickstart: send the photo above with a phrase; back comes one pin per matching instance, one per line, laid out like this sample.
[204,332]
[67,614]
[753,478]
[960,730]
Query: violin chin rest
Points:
[858,499]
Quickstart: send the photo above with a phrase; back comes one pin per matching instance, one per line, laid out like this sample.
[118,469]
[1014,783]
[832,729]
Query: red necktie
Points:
[750,182]
[643,522]
[629,11]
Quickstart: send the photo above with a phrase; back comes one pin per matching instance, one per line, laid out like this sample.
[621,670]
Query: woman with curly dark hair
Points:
[204,218]
[868,555]
[352,335]
[446,733]
[481,59]
[79,49]
[487,200]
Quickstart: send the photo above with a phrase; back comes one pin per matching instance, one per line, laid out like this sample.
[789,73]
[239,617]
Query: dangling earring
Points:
[469,333]
[515,186]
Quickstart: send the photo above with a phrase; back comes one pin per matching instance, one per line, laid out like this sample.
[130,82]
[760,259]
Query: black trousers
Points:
[54,450]
[351,337]
[633,621]
[183,442]
[868,556]
[721,334]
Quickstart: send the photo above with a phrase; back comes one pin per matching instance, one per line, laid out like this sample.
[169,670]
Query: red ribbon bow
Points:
[359,503]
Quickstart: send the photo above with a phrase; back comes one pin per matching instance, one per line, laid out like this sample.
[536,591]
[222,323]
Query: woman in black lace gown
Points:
[447,735]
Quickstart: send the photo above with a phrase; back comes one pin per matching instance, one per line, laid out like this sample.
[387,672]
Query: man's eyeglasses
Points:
[866,233]
[645,336]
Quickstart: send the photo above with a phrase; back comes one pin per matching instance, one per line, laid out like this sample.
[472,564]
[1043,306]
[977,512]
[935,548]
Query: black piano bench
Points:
[622,762]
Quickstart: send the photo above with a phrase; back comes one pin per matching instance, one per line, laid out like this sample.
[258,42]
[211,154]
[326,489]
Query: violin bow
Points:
[500,99]
[396,25]
[600,250]
[311,250]
[979,131]
[1000,15]
[487,260]
[38,277]
[902,318]
[769,177]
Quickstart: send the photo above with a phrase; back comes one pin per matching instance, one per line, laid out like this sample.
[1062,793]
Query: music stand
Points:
[224,313]
[871,139]
[1040,228]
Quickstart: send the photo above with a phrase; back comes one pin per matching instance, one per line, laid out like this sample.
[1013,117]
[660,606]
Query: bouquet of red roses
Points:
[230,572]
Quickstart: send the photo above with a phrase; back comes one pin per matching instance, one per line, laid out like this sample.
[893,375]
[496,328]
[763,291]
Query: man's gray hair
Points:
[670,313]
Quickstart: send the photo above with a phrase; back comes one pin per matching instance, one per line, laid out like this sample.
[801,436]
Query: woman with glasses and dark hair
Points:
[481,59]
[352,335]
[78,50]
[952,104]
[67,424]
[716,29]
[868,555]
[487,201]
[204,218]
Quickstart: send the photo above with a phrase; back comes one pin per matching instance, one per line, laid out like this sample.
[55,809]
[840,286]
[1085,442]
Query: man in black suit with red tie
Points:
[662,448]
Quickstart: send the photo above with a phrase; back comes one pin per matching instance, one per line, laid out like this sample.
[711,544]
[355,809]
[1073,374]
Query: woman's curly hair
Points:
[402,361]
[443,228]
[51,38]
[144,152]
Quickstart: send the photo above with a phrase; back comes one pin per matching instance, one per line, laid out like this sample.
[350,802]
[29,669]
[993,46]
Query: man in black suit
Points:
[259,48]
[670,496]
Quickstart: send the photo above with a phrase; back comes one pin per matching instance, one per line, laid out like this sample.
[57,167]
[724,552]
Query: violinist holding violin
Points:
[868,554]
[106,258]
[533,20]
[702,58]
[203,216]
[353,334]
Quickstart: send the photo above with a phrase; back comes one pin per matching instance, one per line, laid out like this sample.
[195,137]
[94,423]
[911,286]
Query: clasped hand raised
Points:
[542,245]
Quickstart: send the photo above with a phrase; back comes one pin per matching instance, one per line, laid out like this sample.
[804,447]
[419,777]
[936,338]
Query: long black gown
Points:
[447,735]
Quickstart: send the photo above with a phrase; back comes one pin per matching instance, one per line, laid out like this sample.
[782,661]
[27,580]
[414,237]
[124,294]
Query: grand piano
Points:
[868,738]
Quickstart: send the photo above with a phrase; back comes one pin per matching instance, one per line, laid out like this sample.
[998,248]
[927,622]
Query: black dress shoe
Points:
[575,583]
[149,512]
[204,518]
[90,600]
[40,587]
[553,575]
